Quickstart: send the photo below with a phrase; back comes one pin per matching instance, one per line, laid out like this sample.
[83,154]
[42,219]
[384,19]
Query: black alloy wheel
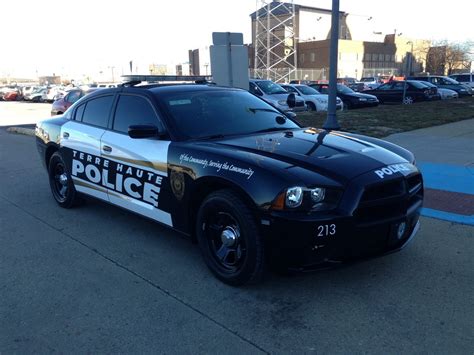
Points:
[229,239]
[60,182]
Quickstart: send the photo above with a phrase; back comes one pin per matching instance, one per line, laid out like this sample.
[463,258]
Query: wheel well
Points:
[49,152]
[206,186]
[310,103]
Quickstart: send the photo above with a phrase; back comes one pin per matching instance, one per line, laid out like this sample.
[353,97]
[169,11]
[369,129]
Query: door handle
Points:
[107,149]
[65,135]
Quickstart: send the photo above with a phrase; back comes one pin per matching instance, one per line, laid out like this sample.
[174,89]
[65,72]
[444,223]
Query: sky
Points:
[61,37]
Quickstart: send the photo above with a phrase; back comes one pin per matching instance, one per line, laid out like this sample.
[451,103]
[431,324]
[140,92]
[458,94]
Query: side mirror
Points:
[143,131]
[291,100]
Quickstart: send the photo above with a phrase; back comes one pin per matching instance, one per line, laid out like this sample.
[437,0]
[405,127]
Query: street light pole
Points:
[331,121]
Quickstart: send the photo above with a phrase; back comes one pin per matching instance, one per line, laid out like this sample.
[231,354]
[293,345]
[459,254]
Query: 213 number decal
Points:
[326,230]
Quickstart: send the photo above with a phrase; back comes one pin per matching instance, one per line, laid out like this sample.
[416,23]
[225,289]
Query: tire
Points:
[408,100]
[61,183]
[229,239]
[311,107]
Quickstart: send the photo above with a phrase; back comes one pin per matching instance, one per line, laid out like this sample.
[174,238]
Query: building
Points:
[362,52]
[200,61]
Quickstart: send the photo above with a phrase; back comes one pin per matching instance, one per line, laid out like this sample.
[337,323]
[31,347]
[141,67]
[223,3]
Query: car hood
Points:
[359,95]
[332,154]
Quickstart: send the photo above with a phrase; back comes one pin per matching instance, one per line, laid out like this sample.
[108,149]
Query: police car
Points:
[237,175]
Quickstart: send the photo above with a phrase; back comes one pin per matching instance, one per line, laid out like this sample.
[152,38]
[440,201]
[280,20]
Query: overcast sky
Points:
[57,36]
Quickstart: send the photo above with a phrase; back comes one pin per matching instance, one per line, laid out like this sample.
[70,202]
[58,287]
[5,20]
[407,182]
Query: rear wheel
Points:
[229,239]
[311,106]
[408,100]
[60,182]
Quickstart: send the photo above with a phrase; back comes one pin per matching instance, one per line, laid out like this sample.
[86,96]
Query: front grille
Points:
[390,200]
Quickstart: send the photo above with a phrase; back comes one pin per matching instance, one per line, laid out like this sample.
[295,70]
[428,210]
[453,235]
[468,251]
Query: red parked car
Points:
[61,105]
[11,96]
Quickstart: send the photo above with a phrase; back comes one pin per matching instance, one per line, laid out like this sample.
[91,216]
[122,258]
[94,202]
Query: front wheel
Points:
[311,107]
[60,182]
[229,239]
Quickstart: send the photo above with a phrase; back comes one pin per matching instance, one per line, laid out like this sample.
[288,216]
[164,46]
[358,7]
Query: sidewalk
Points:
[445,155]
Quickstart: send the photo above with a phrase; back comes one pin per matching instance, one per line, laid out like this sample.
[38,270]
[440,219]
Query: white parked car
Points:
[445,94]
[52,93]
[315,101]
[36,95]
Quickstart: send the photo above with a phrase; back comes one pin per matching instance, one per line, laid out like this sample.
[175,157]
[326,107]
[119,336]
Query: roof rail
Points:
[135,79]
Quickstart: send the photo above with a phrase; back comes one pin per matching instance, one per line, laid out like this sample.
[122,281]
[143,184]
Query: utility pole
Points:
[331,121]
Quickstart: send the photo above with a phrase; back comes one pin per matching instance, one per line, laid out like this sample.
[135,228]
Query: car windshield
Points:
[450,81]
[270,88]
[344,89]
[204,114]
[306,90]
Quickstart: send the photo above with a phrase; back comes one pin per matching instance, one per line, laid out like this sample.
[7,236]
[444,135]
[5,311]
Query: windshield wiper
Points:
[212,136]
[255,109]
[273,129]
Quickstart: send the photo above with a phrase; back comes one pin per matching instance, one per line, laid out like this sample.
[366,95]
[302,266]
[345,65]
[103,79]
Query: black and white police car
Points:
[236,174]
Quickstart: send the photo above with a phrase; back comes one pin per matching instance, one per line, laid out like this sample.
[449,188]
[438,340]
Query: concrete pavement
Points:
[99,279]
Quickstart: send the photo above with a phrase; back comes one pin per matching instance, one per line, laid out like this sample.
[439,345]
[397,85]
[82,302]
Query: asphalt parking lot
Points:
[99,279]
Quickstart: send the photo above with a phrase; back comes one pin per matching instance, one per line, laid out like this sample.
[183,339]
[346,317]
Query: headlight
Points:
[294,197]
[306,199]
[283,103]
[317,194]
[362,99]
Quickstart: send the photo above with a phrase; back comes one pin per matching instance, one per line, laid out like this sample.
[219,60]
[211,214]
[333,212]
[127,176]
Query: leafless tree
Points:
[444,57]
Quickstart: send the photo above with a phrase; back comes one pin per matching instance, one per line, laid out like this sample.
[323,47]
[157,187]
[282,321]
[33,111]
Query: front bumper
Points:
[372,220]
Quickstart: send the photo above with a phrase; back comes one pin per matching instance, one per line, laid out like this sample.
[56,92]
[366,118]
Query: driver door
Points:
[138,167]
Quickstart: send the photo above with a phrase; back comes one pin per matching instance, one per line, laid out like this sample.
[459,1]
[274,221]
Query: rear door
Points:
[137,168]
[80,144]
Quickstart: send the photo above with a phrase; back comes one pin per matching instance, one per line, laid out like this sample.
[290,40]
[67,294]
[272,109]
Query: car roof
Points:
[163,88]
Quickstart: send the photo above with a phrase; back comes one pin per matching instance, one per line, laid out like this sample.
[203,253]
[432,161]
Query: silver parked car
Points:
[275,95]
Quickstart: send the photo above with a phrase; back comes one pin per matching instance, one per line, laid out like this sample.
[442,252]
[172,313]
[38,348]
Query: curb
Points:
[21,130]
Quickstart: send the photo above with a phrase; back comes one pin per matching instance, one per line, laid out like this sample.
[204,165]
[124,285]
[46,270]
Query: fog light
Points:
[401,230]
[317,194]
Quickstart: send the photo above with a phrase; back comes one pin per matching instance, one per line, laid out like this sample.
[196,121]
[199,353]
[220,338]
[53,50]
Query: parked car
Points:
[62,104]
[52,93]
[36,95]
[445,94]
[304,82]
[315,101]
[358,87]
[346,81]
[349,97]
[231,172]
[105,85]
[446,83]
[464,78]
[371,81]
[12,95]
[274,94]
[393,92]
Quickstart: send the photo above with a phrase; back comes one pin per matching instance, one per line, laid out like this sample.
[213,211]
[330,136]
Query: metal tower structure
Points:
[275,45]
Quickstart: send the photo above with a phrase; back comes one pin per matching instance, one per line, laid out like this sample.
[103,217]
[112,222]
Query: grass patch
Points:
[384,120]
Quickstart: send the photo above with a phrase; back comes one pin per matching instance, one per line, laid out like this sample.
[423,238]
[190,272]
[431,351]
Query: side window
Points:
[97,111]
[253,89]
[291,89]
[398,86]
[134,110]
[384,87]
[79,112]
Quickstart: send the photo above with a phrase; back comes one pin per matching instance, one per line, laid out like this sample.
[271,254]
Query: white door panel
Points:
[80,147]
[137,169]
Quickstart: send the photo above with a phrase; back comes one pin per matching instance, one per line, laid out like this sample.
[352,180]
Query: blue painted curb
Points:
[447,177]
[447,216]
